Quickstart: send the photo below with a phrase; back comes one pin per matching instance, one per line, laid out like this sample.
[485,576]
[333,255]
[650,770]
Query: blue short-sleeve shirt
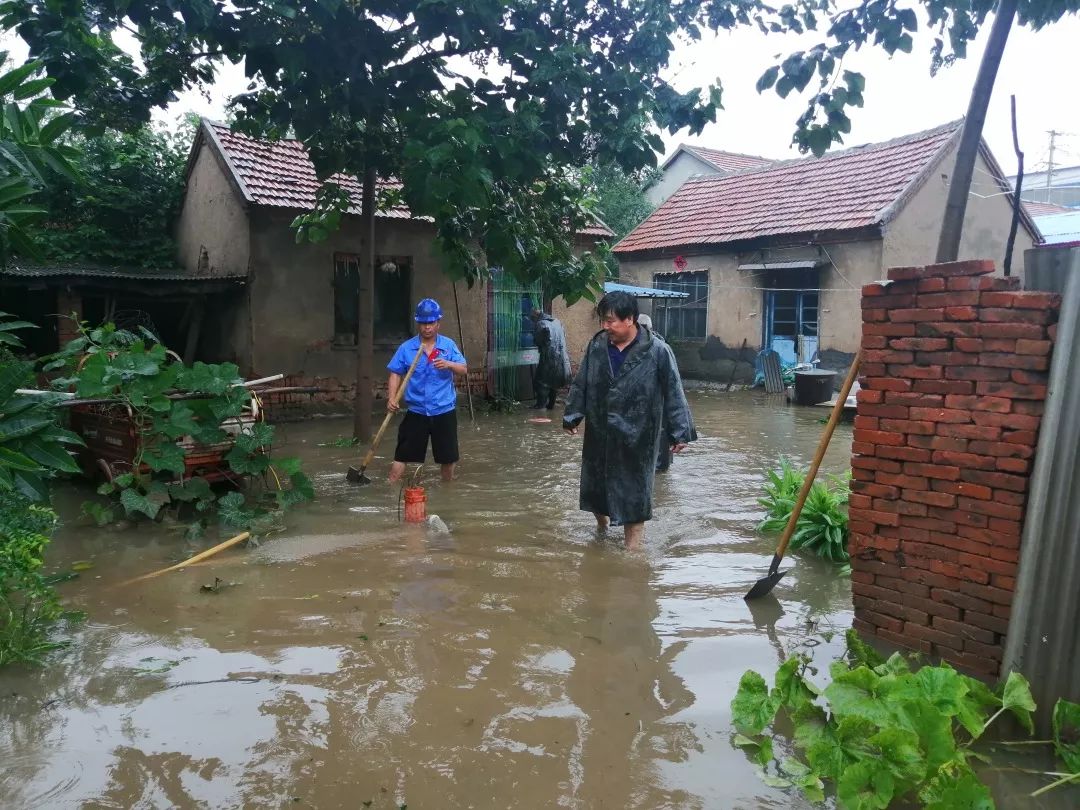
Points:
[430,392]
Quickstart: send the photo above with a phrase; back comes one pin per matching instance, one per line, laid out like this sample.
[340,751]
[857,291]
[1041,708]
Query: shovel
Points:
[766,584]
[356,476]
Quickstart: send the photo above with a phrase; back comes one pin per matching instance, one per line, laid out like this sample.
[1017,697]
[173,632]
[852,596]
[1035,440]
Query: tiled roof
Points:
[280,174]
[1042,209]
[844,190]
[24,270]
[727,161]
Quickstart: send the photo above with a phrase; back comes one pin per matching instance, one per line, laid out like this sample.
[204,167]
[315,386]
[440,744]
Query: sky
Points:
[901,97]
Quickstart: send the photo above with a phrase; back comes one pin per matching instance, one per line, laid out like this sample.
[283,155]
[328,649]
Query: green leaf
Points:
[866,785]
[852,693]
[1017,698]
[30,484]
[753,708]
[133,502]
[804,779]
[166,456]
[1066,727]
[899,749]
[768,78]
[976,706]
[49,454]
[791,689]
[832,749]
[956,787]
[17,461]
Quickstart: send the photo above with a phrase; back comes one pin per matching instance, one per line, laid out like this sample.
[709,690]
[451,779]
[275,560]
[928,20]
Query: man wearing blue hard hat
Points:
[430,398]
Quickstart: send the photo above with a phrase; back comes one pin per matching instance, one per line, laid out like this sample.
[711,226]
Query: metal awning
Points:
[806,264]
[642,292]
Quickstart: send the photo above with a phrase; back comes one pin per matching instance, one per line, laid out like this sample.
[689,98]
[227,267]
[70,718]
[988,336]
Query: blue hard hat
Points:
[428,311]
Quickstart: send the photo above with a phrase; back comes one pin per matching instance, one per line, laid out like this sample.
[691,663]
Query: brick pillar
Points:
[954,378]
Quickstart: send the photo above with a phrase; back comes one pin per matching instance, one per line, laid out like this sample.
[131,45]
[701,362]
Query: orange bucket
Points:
[415,505]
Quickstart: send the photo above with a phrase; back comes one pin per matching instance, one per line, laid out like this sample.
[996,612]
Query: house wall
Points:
[675,175]
[212,234]
[213,239]
[292,296]
[911,239]
[736,303]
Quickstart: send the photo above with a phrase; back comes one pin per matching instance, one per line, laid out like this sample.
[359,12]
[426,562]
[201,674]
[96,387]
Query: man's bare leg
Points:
[634,536]
[397,469]
[448,471]
[602,522]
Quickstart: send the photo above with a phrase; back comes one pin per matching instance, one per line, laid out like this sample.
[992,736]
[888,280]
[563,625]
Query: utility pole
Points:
[1053,133]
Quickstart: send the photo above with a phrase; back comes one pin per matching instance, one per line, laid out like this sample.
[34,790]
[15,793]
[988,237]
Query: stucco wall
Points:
[736,300]
[911,239]
[212,233]
[675,174]
[213,239]
[292,295]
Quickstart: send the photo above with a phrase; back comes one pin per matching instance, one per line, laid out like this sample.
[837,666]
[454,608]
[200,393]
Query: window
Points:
[393,286]
[393,297]
[682,318]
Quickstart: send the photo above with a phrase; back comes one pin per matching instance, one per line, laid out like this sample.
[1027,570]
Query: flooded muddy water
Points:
[506,660]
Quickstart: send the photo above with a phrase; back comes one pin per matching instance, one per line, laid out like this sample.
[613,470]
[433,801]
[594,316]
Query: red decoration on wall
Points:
[680,263]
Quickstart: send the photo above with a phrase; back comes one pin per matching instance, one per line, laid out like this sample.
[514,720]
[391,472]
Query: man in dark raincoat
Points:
[627,387]
[553,368]
[664,454]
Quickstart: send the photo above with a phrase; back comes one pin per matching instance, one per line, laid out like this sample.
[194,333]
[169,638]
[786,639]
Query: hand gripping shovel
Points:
[766,584]
[356,476]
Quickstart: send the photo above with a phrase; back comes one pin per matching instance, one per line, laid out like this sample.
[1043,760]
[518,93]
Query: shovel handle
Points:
[390,414]
[811,474]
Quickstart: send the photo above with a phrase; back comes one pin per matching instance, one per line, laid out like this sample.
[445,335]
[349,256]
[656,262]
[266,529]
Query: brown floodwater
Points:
[499,657]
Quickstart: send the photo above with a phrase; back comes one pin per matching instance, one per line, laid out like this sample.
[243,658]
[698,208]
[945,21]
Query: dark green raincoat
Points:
[623,417]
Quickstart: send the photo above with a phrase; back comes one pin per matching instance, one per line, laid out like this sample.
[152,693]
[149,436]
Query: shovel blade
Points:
[764,585]
[355,476]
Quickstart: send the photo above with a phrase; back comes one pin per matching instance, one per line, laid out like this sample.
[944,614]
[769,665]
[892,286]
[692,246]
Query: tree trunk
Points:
[952,225]
[362,402]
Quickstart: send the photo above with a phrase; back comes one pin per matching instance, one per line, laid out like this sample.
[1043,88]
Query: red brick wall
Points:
[954,377]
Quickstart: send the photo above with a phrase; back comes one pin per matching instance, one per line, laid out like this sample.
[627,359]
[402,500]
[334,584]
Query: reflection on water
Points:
[504,659]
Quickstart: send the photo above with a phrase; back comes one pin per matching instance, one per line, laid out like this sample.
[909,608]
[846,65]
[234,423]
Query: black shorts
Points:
[413,433]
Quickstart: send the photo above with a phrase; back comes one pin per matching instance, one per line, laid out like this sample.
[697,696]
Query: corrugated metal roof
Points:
[642,292]
[808,264]
[24,270]
[1060,228]
[845,190]
[280,174]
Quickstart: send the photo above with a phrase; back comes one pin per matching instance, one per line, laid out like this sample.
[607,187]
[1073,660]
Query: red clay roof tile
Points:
[280,174]
[844,190]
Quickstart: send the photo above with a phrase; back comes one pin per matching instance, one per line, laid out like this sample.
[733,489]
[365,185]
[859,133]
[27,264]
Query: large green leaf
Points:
[134,502]
[1066,726]
[30,484]
[17,461]
[12,376]
[866,785]
[49,454]
[832,749]
[956,787]
[165,456]
[753,708]
[1016,697]
[21,426]
[853,693]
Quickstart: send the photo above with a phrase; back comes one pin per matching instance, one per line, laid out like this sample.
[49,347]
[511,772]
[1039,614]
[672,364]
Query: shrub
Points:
[823,524]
